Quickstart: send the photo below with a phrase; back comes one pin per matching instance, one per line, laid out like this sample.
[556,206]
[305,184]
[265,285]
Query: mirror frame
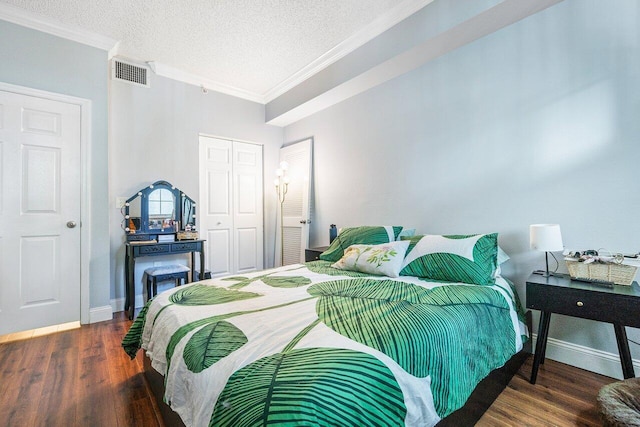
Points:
[181,202]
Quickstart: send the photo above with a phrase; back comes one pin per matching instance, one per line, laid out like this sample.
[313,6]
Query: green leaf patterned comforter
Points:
[311,345]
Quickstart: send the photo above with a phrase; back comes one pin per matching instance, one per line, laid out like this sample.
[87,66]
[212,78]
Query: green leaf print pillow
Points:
[365,235]
[382,260]
[455,258]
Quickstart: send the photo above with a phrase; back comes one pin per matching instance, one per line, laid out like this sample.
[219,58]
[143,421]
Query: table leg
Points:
[623,349]
[126,279]
[202,262]
[131,287]
[545,334]
[193,266]
[541,344]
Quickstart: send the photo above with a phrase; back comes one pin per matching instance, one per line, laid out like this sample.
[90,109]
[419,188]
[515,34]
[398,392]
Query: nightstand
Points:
[619,305]
[313,254]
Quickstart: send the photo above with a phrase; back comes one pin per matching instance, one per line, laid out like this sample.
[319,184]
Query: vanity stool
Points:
[176,272]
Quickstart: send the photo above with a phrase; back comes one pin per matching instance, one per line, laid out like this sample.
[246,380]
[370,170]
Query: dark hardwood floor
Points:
[80,377]
[83,378]
[562,396]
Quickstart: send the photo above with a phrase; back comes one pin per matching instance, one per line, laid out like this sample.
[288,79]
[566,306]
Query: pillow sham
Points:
[382,260]
[365,235]
[453,258]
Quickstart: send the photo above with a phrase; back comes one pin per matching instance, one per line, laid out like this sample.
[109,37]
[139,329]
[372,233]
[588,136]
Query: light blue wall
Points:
[535,123]
[428,22]
[37,60]
[154,136]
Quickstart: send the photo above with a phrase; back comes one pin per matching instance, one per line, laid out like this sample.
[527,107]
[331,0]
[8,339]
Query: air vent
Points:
[130,73]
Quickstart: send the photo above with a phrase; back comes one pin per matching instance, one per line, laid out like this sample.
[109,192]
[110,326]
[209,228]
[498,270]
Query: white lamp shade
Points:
[545,237]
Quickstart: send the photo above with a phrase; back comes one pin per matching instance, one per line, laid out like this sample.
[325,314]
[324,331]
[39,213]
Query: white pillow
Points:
[406,232]
[383,260]
[502,256]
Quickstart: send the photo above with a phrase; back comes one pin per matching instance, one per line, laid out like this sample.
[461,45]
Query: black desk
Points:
[618,305]
[136,250]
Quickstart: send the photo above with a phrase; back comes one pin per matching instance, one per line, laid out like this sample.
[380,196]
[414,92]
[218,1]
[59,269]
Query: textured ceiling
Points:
[251,45]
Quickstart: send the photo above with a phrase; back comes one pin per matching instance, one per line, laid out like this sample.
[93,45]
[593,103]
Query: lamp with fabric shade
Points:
[546,238]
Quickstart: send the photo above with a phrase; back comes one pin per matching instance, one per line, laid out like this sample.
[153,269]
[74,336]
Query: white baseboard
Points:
[117,304]
[600,362]
[100,314]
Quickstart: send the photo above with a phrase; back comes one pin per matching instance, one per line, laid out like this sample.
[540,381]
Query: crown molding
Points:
[368,33]
[170,72]
[34,21]
[38,22]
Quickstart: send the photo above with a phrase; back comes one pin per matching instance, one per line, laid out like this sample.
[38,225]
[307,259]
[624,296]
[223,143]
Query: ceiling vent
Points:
[130,73]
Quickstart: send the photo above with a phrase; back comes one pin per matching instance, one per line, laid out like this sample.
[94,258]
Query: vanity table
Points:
[159,220]
[135,250]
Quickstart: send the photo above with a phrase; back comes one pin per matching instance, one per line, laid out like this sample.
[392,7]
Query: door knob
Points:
[305,221]
[71,224]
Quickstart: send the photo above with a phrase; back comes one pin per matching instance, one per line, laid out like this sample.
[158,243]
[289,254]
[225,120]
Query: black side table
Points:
[618,305]
[313,254]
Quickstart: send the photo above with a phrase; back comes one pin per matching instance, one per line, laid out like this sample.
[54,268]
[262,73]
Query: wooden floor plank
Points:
[27,387]
[59,399]
[83,377]
[94,383]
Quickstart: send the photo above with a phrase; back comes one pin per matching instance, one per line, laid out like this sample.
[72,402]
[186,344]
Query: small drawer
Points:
[154,249]
[184,247]
[587,304]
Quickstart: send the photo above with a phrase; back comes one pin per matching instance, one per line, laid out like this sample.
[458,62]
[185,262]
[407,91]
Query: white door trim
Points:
[85,202]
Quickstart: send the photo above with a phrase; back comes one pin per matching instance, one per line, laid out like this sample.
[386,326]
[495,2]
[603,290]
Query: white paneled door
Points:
[296,215]
[231,205]
[40,186]
[248,208]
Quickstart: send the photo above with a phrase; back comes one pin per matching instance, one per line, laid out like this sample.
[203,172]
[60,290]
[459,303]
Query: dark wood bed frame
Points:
[482,397]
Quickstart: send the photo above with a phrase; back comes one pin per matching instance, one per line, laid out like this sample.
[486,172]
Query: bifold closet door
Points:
[231,205]
[248,235]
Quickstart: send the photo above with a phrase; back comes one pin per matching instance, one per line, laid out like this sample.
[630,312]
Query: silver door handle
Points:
[71,224]
[305,221]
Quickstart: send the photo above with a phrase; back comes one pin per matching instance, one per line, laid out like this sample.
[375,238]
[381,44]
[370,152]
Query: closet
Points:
[231,205]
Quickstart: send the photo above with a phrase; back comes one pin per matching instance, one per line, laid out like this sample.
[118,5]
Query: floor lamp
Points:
[282,186]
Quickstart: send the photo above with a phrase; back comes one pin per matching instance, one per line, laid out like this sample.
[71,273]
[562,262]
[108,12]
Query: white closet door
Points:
[230,210]
[247,207]
[295,218]
[215,209]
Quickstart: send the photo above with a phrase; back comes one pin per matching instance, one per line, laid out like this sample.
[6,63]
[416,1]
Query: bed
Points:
[315,344]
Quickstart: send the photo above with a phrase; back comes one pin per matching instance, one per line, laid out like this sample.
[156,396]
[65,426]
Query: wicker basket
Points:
[187,235]
[619,274]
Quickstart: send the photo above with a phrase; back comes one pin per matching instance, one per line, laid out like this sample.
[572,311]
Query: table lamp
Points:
[547,238]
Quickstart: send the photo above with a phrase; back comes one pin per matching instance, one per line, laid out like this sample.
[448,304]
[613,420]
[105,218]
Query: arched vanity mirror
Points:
[157,210]
[159,220]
